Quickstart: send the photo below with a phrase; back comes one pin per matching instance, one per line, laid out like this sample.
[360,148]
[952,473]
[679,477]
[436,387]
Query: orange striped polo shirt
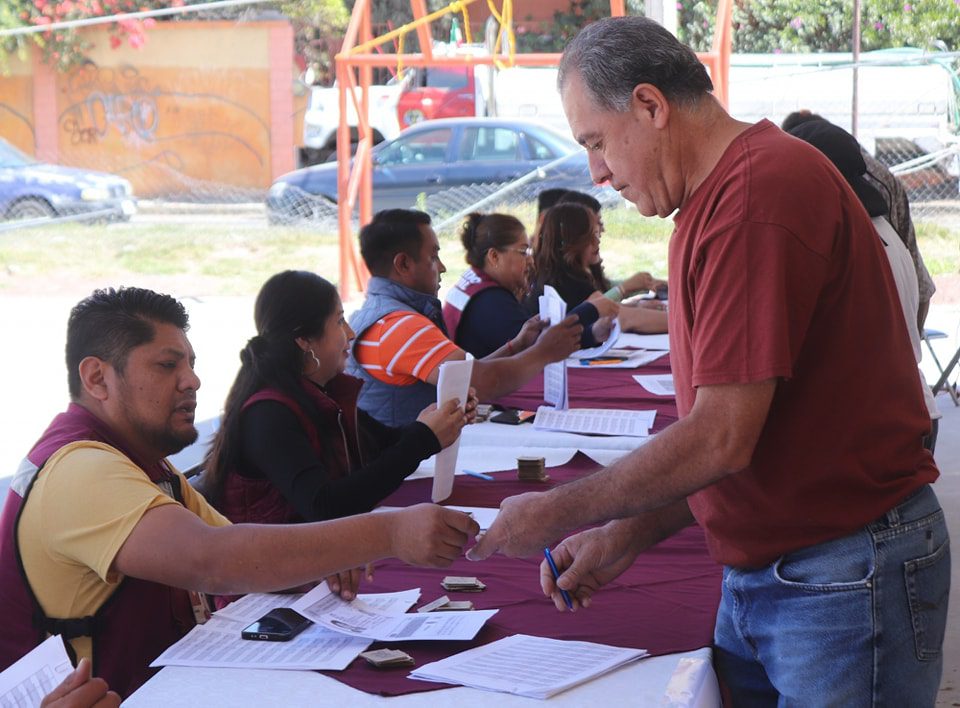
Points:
[402,348]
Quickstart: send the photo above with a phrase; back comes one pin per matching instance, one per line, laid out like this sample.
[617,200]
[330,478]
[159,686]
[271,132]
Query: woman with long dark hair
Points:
[292,445]
[568,259]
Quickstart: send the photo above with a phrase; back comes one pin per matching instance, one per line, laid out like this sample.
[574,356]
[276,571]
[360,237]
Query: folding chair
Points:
[942,383]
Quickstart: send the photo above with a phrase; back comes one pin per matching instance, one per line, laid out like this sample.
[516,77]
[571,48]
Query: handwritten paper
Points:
[597,421]
[453,382]
[554,309]
[536,667]
[25,683]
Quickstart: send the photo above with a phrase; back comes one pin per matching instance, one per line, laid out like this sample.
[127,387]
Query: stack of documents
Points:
[536,667]
[341,631]
[596,421]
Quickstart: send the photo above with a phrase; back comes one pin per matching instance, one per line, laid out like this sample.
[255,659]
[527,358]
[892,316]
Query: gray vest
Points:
[392,405]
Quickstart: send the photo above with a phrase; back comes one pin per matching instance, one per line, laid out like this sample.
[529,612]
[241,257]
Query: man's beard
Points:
[168,441]
[162,438]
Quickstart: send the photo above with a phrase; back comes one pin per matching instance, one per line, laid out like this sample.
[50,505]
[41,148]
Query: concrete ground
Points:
[35,388]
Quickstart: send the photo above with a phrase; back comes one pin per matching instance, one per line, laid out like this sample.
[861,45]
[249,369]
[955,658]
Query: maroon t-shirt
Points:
[776,272]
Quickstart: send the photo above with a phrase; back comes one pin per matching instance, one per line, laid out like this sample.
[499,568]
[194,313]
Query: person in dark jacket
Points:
[293,445]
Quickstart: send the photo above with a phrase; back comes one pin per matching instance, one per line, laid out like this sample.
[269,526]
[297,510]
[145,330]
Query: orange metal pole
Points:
[617,8]
[366,137]
[419,8]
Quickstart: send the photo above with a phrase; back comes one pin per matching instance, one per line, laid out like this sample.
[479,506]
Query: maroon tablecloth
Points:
[597,387]
[665,603]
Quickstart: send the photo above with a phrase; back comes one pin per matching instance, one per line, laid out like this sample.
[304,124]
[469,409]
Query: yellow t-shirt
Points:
[87,499]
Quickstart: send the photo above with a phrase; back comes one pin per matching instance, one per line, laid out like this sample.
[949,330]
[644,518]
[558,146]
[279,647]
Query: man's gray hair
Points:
[615,54]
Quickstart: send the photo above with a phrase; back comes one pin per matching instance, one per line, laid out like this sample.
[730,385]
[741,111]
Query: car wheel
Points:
[30,208]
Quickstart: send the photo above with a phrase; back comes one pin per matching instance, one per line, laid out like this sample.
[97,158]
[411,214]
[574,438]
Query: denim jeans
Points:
[856,621]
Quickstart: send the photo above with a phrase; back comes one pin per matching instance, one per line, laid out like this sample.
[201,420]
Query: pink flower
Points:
[879,25]
[115,41]
[907,7]
[680,4]
[796,23]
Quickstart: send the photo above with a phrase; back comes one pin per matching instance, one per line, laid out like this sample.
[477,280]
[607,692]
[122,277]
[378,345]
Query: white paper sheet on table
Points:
[453,382]
[218,644]
[495,459]
[554,309]
[631,359]
[596,421]
[359,619]
[601,348]
[657,384]
[630,340]
[25,683]
[536,667]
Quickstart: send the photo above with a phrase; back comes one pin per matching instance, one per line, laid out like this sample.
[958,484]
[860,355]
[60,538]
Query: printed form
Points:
[360,619]
[536,667]
[597,421]
[25,683]
[217,643]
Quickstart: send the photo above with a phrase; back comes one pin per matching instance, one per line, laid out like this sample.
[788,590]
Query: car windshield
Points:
[558,142]
[11,157]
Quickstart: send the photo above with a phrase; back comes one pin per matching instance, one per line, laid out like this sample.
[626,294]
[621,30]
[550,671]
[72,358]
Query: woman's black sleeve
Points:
[276,447]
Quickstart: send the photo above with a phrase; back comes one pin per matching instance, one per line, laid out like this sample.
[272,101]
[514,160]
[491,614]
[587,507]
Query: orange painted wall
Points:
[16,105]
[204,108]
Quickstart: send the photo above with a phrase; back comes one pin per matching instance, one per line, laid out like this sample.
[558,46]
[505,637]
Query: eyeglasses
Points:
[522,251]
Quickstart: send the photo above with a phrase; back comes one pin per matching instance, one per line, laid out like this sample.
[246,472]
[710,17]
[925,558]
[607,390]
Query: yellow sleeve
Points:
[93,497]
[194,501]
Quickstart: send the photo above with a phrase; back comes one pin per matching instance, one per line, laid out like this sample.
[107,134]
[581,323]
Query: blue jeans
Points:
[856,621]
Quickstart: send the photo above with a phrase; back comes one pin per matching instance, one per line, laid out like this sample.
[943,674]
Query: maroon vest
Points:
[135,624]
[334,437]
[472,282]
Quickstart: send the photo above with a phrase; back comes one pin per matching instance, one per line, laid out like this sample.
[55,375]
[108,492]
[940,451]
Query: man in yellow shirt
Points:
[101,539]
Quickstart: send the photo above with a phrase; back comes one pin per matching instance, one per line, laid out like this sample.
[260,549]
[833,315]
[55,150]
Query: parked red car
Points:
[438,92]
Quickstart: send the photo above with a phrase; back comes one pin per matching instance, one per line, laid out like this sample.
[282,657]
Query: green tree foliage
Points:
[824,25]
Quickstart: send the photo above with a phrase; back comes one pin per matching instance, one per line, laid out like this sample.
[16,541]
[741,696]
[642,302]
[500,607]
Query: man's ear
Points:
[650,101]
[93,377]
[402,263]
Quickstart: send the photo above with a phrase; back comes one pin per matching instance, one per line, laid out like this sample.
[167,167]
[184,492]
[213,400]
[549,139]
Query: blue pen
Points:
[556,575]
[479,475]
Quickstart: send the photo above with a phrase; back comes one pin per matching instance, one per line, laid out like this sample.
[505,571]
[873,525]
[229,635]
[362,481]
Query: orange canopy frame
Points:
[354,70]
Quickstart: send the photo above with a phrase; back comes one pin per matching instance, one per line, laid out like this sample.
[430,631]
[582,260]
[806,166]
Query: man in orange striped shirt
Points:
[401,338]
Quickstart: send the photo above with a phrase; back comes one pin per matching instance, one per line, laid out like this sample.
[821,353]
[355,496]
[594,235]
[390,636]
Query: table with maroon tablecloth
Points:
[665,603]
[599,387]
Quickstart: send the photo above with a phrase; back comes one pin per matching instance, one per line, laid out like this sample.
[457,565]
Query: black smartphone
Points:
[279,625]
[661,293]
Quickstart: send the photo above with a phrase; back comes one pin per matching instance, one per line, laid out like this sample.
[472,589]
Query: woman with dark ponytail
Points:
[292,444]
[484,313]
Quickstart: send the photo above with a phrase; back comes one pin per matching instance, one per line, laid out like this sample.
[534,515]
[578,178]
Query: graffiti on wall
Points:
[121,99]
[198,125]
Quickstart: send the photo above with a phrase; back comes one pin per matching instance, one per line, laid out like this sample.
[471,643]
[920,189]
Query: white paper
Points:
[554,309]
[630,340]
[481,514]
[496,459]
[630,359]
[536,667]
[453,382]
[359,619]
[596,421]
[25,683]
[657,384]
[601,348]
[218,644]
[255,605]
